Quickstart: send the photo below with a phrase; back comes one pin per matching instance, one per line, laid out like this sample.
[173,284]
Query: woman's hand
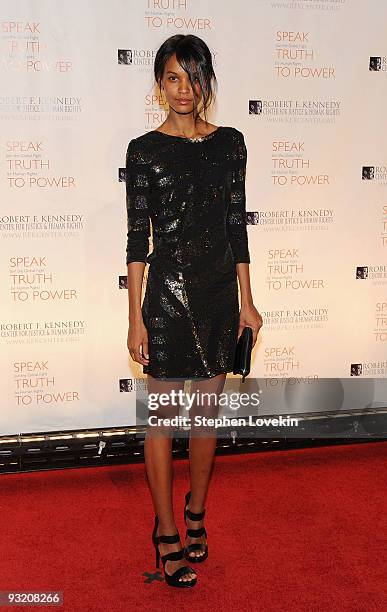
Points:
[138,342]
[250,317]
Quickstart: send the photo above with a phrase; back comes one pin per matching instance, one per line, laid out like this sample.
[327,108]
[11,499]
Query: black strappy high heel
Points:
[194,533]
[171,579]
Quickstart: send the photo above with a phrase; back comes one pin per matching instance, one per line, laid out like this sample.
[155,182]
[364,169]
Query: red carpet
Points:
[295,530]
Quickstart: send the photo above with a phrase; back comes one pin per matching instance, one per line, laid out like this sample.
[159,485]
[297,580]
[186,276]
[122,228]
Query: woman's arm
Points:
[137,341]
[238,237]
[249,315]
[138,226]
[243,272]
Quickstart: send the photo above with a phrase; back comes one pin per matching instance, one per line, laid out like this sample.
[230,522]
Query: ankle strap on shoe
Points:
[196,533]
[169,539]
[195,516]
[173,556]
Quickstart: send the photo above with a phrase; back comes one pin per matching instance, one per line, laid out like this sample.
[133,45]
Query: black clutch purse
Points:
[243,353]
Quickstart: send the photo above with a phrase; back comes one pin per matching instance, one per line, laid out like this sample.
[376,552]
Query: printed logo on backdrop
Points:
[362,272]
[283,362]
[291,165]
[293,220]
[298,56]
[375,272]
[368,173]
[281,110]
[252,217]
[380,331]
[305,318]
[356,369]
[374,173]
[29,165]
[378,64]
[122,282]
[327,7]
[136,57]
[66,225]
[129,385]
[36,384]
[175,16]
[291,270]
[378,275]
[42,332]
[33,280]
[368,369]
[125,56]
[26,108]
[32,47]
[383,224]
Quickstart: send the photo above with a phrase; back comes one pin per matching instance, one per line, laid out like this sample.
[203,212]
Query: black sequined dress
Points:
[193,193]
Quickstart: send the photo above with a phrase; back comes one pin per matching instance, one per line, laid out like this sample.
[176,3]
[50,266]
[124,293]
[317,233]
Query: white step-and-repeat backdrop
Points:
[304,80]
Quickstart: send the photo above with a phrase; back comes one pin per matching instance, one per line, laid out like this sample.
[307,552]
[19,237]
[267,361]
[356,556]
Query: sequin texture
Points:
[191,193]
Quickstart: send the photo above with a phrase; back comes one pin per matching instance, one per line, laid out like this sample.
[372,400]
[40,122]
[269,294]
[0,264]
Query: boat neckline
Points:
[199,139]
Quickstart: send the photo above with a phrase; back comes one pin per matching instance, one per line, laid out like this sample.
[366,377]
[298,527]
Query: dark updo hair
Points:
[195,58]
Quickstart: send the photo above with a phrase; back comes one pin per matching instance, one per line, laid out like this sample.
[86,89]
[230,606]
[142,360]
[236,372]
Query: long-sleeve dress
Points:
[193,193]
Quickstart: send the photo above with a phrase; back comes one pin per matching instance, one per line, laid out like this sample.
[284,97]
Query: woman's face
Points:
[177,88]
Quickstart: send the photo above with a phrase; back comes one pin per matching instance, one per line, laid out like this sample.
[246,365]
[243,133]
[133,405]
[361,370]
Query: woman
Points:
[188,177]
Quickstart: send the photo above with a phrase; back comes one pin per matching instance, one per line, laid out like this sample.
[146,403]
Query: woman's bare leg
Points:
[159,470]
[202,449]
